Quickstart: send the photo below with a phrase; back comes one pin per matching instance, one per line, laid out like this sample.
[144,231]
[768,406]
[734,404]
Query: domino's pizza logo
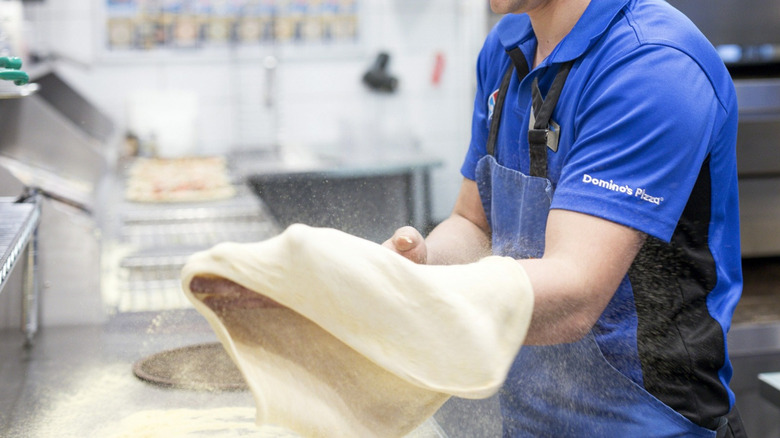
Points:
[492,104]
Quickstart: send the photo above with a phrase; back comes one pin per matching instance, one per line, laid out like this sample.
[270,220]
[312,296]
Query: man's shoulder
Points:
[657,41]
[658,23]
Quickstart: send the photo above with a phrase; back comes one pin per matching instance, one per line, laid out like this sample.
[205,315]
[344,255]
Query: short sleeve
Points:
[643,126]
[480,117]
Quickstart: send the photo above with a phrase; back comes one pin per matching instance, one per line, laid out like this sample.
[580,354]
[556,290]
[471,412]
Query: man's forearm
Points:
[457,240]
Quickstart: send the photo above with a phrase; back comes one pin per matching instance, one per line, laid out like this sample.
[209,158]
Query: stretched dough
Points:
[338,336]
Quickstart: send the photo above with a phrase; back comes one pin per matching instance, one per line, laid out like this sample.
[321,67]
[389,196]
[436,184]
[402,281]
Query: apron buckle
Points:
[547,136]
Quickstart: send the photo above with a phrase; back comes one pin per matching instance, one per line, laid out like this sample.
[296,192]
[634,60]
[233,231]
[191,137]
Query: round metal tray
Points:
[203,367]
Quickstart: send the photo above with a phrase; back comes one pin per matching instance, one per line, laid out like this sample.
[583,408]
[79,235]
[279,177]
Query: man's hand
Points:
[408,242]
[464,237]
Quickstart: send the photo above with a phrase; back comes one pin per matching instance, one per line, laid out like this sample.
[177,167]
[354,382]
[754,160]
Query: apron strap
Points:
[543,109]
[520,64]
[497,110]
[731,425]
[519,61]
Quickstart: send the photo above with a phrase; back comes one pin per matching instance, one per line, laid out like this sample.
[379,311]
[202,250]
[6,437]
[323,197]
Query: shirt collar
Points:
[515,29]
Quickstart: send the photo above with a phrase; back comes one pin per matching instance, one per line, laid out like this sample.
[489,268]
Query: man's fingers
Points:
[400,241]
[408,242]
[403,242]
[406,238]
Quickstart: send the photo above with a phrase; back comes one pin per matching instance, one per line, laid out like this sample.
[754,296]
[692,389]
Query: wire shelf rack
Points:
[158,241]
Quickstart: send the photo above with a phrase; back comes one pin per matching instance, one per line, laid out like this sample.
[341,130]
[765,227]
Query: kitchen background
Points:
[299,95]
[278,88]
[309,98]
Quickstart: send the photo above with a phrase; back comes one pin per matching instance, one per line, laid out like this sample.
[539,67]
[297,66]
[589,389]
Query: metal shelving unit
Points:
[158,238]
[18,229]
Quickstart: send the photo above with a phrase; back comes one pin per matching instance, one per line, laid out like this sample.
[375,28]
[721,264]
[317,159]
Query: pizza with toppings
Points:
[188,179]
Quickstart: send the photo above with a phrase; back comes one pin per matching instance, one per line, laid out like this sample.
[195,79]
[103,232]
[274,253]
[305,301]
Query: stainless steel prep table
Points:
[369,197]
[77,381]
[769,387]
[18,225]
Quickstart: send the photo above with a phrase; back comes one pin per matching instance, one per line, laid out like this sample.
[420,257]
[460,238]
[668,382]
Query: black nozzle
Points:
[377,78]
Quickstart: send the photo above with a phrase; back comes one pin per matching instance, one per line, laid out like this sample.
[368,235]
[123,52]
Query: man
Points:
[602,158]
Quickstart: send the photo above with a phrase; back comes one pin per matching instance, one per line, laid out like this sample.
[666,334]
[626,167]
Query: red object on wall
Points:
[438,68]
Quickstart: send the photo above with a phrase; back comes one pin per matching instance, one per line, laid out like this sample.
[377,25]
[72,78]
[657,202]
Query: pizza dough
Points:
[338,336]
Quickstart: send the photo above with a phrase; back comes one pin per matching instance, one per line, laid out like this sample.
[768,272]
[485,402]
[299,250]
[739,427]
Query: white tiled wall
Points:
[319,100]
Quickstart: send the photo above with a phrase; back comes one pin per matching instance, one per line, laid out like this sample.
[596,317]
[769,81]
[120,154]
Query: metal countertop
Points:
[769,387]
[245,164]
[78,381]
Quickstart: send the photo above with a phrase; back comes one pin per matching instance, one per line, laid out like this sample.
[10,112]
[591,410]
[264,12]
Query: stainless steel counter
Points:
[369,197]
[754,345]
[770,387]
[77,382]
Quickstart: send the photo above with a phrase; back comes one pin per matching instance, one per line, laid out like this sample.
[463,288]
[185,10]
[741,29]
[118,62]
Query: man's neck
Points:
[552,22]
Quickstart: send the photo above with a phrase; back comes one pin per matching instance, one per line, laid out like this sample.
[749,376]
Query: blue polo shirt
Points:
[648,119]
